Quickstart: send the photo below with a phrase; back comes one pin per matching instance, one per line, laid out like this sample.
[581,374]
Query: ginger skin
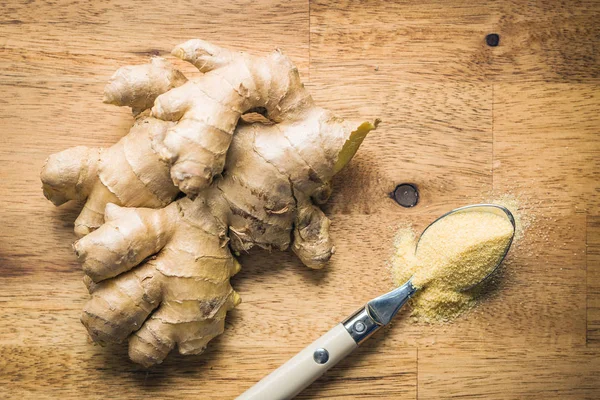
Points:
[129,173]
[158,273]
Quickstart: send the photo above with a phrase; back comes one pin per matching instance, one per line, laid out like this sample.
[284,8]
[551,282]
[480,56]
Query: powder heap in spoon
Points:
[453,254]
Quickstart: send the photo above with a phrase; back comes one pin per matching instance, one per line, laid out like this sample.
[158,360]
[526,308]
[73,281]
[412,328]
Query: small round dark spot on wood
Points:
[406,195]
[492,40]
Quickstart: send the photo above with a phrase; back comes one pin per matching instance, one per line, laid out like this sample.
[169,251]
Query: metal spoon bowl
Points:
[491,208]
[385,307]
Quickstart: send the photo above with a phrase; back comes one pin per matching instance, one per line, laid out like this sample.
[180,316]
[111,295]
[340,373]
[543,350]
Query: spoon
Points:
[312,362]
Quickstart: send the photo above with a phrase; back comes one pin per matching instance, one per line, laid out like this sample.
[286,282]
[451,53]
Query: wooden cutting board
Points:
[462,120]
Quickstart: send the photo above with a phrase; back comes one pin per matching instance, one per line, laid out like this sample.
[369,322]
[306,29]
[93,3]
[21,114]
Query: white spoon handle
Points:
[304,368]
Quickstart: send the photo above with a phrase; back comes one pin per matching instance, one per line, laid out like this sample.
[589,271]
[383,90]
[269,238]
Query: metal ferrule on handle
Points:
[361,325]
[377,313]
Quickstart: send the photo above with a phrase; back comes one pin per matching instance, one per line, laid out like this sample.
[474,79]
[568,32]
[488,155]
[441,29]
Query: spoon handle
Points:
[322,354]
[304,368]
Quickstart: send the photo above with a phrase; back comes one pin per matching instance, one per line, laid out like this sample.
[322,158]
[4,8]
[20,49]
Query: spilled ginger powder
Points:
[454,254]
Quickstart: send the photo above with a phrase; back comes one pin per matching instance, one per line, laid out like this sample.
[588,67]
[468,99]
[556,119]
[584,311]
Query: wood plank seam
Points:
[417,375]
[493,141]
[309,35]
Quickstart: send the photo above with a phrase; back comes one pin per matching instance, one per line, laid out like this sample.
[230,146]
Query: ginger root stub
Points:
[158,274]
[453,254]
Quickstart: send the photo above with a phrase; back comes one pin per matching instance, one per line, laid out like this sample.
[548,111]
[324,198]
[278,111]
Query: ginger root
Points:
[158,272]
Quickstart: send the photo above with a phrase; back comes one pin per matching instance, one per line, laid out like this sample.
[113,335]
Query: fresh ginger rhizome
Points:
[158,266]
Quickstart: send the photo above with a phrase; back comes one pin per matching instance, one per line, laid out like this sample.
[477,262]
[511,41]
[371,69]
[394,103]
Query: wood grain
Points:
[503,373]
[593,281]
[463,121]
[546,144]
[549,41]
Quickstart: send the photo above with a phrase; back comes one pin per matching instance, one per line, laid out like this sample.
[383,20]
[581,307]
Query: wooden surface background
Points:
[462,120]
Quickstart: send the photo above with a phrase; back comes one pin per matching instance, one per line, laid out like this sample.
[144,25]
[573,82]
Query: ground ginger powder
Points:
[454,254]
